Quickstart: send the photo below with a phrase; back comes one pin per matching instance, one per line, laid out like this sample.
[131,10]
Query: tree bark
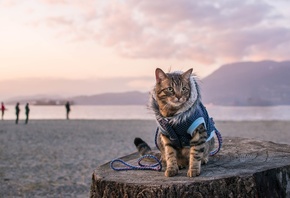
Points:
[243,168]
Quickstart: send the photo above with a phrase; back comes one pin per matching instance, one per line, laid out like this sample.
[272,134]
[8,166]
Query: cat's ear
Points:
[160,75]
[186,75]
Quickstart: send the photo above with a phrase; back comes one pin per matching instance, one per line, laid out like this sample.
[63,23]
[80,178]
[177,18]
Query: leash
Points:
[219,138]
[156,167]
[155,140]
[220,142]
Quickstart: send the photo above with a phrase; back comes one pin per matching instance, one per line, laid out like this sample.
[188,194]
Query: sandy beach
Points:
[56,158]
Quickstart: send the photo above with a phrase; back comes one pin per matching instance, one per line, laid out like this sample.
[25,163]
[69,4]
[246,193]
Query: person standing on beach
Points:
[67,106]
[27,110]
[17,111]
[3,109]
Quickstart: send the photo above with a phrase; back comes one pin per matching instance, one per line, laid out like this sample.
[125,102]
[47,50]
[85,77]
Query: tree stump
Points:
[243,168]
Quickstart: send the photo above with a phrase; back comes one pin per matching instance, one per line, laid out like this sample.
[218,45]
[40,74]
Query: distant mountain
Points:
[125,98]
[23,88]
[248,83]
[238,84]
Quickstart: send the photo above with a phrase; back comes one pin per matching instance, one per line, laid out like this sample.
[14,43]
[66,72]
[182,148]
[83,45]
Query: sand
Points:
[56,158]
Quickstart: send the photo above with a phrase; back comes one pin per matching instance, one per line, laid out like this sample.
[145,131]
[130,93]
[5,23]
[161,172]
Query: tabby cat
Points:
[183,123]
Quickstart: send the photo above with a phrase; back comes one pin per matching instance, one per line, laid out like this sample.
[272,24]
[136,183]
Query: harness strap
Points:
[156,167]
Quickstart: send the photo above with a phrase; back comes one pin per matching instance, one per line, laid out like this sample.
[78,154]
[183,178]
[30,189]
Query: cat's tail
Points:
[142,147]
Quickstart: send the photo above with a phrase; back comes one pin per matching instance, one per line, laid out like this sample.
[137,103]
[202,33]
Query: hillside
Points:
[238,84]
[249,83]
[126,98]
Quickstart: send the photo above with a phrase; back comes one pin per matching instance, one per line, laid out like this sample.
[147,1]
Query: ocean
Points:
[221,113]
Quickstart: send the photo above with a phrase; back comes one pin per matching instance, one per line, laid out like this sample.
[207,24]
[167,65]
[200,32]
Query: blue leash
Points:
[220,141]
[156,167]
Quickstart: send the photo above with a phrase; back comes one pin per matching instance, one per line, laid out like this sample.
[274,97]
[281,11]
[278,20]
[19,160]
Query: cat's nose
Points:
[178,97]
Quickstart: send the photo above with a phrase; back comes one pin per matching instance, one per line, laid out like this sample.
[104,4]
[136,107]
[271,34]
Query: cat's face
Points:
[172,89]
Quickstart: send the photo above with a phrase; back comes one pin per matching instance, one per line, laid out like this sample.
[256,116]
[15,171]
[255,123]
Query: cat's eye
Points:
[170,89]
[184,89]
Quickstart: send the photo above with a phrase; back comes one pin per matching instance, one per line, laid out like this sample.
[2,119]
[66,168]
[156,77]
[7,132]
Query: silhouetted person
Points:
[67,107]
[3,109]
[27,112]
[17,111]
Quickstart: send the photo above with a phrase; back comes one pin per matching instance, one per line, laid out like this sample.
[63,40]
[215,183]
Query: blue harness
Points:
[181,133]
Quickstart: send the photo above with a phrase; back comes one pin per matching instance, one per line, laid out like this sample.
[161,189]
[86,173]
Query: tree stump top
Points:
[242,167]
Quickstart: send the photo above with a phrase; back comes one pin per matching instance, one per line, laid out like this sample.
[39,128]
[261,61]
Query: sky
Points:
[92,46]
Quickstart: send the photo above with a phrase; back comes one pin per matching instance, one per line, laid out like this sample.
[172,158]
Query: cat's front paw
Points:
[193,172]
[171,171]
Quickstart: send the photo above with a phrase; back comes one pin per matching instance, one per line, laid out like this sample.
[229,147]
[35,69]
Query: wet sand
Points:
[56,158]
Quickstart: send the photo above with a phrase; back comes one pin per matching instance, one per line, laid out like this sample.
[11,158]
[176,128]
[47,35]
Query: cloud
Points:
[54,1]
[153,29]
[203,31]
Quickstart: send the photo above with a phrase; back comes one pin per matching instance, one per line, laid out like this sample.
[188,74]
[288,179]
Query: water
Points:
[141,112]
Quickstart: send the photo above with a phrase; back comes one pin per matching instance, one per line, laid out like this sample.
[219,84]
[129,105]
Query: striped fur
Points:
[173,94]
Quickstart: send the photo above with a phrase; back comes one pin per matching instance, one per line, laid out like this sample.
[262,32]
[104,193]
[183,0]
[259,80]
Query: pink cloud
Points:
[55,1]
[210,31]
[8,3]
[202,31]
[59,21]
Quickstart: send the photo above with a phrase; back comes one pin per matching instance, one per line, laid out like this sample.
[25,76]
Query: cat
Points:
[185,138]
